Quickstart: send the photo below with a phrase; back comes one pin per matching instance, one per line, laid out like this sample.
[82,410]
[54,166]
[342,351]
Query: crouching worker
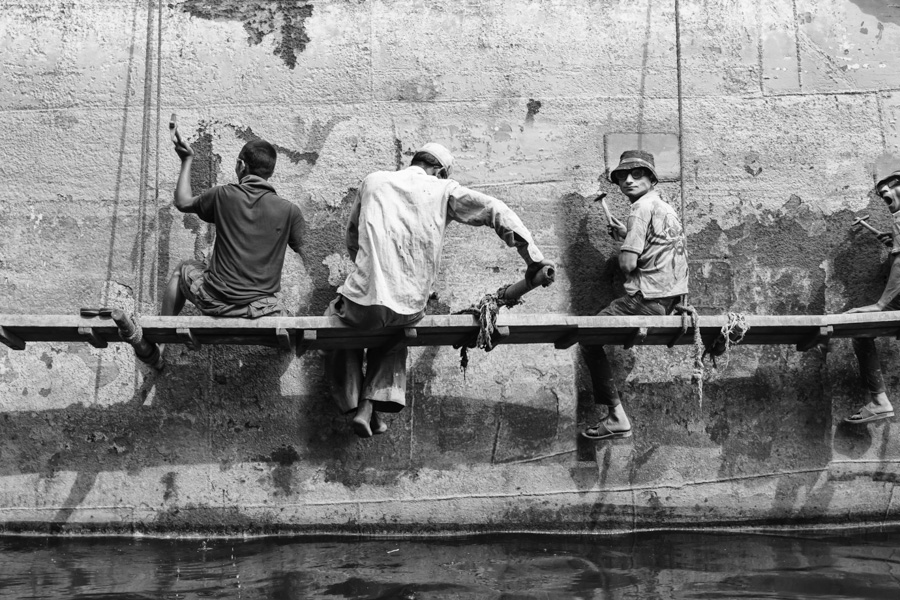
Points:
[653,258]
[395,235]
[254,226]
[879,406]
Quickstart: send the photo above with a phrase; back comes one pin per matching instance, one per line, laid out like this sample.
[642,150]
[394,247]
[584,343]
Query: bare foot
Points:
[377,425]
[361,420]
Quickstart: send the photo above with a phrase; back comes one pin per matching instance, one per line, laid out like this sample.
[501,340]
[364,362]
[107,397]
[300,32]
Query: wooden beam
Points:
[567,339]
[91,337]
[11,339]
[501,333]
[306,339]
[637,338]
[284,338]
[819,337]
[408,335]
[186,335]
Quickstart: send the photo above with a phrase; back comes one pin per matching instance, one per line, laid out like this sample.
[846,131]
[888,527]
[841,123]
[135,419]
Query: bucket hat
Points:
[632,159]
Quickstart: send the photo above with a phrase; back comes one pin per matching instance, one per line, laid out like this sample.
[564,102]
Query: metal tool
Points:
[542,278]
[173,128]
[601,198]
[862,221]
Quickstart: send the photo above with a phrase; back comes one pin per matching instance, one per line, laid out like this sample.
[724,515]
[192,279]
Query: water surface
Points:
[515,567]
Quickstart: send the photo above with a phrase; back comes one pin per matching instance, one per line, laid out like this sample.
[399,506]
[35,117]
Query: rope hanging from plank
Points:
[731,334]
[690,317]
[485,310]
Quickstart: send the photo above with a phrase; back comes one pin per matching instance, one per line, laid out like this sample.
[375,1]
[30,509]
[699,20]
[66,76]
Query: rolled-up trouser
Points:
[383,381]
[595,357]
[869,365]
[865,349]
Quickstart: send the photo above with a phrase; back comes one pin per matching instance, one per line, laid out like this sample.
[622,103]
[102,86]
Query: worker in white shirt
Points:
[395,236]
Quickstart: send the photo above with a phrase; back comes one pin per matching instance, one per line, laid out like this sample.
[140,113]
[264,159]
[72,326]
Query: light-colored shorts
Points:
[193,277]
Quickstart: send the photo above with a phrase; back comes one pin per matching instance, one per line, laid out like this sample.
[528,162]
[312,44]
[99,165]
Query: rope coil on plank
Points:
[731,334]
[485,311]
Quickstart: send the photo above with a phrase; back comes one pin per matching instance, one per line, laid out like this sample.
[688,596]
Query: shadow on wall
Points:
[771,409]
[591,261]
[323,237]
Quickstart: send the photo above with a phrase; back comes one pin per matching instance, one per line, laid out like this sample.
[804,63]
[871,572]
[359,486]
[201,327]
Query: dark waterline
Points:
[513,567]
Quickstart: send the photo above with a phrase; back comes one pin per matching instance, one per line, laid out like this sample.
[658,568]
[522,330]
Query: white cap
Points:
[442,155]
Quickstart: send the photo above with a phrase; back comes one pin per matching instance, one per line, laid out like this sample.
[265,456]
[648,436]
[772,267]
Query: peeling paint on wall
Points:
[262,19]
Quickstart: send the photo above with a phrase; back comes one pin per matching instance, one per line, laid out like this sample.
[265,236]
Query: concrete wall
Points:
[770,119]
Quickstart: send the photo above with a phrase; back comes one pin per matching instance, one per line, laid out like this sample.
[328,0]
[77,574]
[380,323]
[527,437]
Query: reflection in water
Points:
[645,566]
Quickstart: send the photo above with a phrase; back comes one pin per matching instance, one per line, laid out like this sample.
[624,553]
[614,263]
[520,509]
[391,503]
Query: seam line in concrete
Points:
[797,46]
[680,96]
[454,497]
[481,100]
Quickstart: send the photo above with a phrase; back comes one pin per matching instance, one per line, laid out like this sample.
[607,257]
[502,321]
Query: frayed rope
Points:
[485,310]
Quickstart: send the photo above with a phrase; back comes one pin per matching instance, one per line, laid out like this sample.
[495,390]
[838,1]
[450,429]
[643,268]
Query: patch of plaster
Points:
[106,370]
[339,266]
[534,107]
[262,18]
[283,474]
[885,12]
[323,240]
[168,480]
[752,165]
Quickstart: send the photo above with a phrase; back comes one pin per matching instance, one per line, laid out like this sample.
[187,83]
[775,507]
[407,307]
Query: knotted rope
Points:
[485,310]
[731,334]
[690,317]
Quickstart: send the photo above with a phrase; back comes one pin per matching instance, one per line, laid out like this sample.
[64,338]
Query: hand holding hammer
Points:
[615,227]
[884,238]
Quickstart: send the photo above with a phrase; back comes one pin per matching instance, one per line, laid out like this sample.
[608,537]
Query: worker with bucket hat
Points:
[653,257]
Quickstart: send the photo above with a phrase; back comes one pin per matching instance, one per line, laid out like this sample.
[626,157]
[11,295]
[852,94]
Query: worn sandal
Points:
[864,415]
[601,432]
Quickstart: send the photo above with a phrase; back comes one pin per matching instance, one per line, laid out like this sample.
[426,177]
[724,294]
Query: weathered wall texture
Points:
[769,118]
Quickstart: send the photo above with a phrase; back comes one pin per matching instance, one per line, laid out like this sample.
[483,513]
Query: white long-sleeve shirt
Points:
[395,235]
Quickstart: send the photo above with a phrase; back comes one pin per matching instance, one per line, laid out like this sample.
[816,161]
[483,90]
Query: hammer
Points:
[601,198]
[862,221]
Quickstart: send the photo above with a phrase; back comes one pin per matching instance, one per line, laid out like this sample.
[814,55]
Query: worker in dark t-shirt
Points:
[254,226]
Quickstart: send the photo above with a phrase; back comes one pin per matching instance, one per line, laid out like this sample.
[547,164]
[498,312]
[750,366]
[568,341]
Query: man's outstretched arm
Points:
[474,208]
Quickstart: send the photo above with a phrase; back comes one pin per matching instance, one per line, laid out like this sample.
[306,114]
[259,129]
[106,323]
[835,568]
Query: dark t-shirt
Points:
[253,228]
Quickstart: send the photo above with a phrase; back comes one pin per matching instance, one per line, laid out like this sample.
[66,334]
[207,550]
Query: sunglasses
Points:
[890,185]
[636,173]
